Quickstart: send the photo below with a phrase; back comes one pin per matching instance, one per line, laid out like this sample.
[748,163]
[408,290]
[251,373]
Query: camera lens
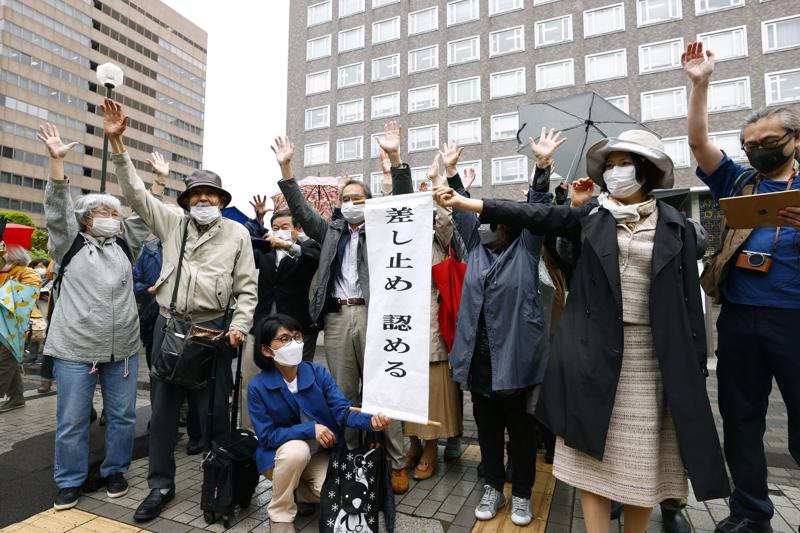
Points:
[756,260]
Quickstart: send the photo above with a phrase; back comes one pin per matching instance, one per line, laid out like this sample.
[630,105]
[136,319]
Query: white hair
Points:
[18,256]
[89,202]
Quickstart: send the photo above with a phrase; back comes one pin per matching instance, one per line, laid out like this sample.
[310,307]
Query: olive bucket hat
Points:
[638,142]
[204,178]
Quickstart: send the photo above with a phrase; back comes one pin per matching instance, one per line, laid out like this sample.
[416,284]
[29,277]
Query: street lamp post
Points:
[109,75]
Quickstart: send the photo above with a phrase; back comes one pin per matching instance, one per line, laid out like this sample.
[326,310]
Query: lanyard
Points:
[778,229]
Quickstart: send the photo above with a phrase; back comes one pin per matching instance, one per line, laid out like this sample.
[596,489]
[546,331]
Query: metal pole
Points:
[109,88]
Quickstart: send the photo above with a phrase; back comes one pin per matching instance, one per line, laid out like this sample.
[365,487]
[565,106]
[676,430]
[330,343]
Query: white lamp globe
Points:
[110,75]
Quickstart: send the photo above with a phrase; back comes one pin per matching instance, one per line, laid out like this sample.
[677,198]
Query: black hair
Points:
[283,213]
[265,332]
[367,192]
[647,173]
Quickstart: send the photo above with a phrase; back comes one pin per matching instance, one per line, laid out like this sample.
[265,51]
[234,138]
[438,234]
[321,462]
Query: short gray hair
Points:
[87,203]
[790,119]
[18,255]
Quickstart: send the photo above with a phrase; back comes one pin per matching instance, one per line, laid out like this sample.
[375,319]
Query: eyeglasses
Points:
[769,142]
[286,339]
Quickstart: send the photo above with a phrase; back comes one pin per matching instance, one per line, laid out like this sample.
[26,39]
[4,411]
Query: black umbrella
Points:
[583,119]
[675,197]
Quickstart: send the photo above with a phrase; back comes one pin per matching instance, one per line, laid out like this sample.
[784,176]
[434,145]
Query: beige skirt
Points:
[443,406]
[642,464]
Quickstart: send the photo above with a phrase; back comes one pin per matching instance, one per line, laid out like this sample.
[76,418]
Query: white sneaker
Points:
[491,501]
[521,511]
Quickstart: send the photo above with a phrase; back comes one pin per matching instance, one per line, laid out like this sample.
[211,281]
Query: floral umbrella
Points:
[321,193]
[16,304]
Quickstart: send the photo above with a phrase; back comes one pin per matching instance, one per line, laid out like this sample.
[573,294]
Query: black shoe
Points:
[194,447]
[152,506]
[674,521]
[93,484]
[66,498]
[306,509]
[93,415]
[616,510]
[116,487]
[739,524]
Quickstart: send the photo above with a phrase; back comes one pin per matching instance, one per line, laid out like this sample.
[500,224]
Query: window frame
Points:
[677,58]
[350,14]
[373,116]
[476,79]
[601,8]
[339,75]
[570,61]
[495,138]
[326,54]
[390,19]
[476,164]
[764,36]
[384,4]
[376,59]
[418,128]
[608,52]
[435,55]
[747,93]
[414,89]
[495,53]
[473,38]
[768,88]
[435,9]
[712,138]
[717,58]
[472,120]
[477,10]
[641,24]
[340,142]
[328,71]
[327,108]
[500,160]
[619,97]
[524,90]
[327,160]
[699,11]
[339,121]
[363,29]
[570,30]
[685,140]
[493,12]
[679,89]
[312,6]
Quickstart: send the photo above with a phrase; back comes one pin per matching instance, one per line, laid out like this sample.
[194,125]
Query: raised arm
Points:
[312,222]
[401,174]
[538,191]
[443,223]
[698,67]
[59,210]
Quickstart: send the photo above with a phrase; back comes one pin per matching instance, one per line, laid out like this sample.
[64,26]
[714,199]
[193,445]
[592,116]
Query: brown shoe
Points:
[399,481]
[425,469]
[412,458]
[46,386]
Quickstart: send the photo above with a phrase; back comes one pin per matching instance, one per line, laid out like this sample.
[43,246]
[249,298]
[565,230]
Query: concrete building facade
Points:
[459,69]
[49,50]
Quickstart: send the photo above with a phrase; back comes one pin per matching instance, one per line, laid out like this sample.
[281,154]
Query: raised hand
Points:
[386,164]
[433,172]
[114,120]
[259,204]
[390,142]
[159,164]
[446,197]
[284,150]
[450,155]
[698,66]
[468,178]
[582,191]
[549,141]
[56,149]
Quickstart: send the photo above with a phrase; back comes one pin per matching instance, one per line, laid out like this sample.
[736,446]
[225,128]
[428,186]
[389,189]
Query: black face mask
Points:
[767,160]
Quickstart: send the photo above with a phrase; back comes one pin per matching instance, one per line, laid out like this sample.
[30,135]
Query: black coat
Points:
[287,285]
[580,383]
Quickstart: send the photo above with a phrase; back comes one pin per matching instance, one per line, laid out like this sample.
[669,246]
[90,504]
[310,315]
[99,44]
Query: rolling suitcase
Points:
[230,474]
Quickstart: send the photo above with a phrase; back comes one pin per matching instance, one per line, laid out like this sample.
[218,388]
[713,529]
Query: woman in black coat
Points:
[624,389]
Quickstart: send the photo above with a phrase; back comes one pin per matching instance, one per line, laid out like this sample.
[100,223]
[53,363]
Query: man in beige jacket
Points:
[218,270]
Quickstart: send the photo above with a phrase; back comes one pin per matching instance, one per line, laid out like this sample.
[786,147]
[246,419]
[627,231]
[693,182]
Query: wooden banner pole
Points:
[431,423]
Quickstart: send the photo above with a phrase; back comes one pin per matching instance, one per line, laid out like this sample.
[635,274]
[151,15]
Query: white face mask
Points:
[290,355]
[41,271]
[105,227]
[353,213]
[205,214]
[302,237]
[621,181]
[283,234]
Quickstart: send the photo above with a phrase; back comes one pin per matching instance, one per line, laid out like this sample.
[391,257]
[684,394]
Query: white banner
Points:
[399,243]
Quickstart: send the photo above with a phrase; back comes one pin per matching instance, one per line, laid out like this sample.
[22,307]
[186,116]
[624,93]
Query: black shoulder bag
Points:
[187,350]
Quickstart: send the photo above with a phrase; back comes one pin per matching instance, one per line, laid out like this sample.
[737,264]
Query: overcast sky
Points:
[245,90]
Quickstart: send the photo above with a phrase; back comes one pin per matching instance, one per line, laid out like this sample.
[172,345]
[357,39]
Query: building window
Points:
[656,11]
[319,47]
[656,57]
[423,138]
[381,3]
[555,74]
[604,20]
[316,154]
[318,82]
[730,142]
[507,41]
[386,30]
[702,7]
[319,13]
[677,149]
[423,59]
[540,2]
[464,91]
[350,75]
[351,149]
[349,112]
[508,83]
[351,39]
[384,68]
[375,148]
[350,7]
[726,44]
[781,34]
[606,65]
[465,131]
[512,169]
[464,50]
[423,98]
[418,175]
[498,7]
[375,183]
[620,102]
[782,87]
[664,104]
[423,21]
[729,95]
[459,11]
[505,126]
[318,117]
[474,165]
[386,105]
[553,31]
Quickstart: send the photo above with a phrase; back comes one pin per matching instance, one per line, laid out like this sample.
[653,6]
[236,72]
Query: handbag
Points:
[357,487]
[187,350]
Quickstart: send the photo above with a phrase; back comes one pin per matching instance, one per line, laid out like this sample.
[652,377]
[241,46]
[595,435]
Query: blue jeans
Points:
[76,386]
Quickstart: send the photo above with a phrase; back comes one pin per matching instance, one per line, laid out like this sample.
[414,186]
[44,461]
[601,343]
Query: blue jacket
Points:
[505,286]
[275,416]
[145,274]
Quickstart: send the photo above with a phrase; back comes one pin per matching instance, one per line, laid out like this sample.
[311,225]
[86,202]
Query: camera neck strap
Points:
[778,229]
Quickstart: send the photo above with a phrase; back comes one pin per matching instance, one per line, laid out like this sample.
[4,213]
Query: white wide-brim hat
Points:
[639,142]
